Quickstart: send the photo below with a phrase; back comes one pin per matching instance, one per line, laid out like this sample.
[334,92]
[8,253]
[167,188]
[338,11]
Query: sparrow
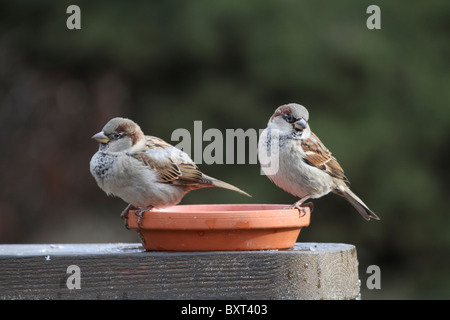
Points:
[294,158]
[145,171]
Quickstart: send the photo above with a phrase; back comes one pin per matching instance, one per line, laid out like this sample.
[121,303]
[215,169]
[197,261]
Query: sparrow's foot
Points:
[301,208]
[310,205]
[140,214]
[124,215]
[299,205]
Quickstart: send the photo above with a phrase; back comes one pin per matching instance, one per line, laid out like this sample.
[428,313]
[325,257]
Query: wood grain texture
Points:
[126,271]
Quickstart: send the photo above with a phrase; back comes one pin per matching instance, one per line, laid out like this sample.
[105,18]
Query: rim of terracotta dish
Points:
[215,217]
[225,208]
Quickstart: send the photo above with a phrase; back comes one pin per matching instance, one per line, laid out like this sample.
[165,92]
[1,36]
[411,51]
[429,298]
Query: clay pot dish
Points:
[220,227]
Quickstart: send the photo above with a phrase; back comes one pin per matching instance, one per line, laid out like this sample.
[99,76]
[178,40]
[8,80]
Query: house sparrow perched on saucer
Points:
[306,168]
[145,171]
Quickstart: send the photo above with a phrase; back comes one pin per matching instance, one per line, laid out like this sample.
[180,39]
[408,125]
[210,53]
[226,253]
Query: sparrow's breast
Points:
[102,165]
[125,177]
[289,172]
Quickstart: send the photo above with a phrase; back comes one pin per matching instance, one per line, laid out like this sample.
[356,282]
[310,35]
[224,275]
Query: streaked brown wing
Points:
[319,156]
[170,169]
[156,143]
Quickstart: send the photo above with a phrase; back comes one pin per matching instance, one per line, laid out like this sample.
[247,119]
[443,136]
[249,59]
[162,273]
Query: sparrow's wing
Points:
[317,155]
[173,165]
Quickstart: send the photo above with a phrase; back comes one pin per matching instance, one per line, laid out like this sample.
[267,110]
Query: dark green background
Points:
[379,99]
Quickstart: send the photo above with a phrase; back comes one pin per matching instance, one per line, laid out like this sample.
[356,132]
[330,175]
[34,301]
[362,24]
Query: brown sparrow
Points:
[145,171]
[299,162]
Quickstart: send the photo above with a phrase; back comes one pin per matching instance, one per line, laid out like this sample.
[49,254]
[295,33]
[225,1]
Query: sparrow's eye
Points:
[115,135]
[289,118]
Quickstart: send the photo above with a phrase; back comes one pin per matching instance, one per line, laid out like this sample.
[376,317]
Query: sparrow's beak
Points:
[100,137]
[300,124]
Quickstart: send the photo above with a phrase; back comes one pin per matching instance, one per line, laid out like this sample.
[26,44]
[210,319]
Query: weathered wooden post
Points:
[127,271]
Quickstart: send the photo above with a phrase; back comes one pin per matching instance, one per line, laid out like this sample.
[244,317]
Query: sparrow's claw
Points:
[310,205]
[300,205]
[301,208]
[140,214]
[124,215]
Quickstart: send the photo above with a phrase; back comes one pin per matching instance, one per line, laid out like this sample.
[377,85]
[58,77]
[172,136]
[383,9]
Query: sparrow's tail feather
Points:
[359,205]
[220,184]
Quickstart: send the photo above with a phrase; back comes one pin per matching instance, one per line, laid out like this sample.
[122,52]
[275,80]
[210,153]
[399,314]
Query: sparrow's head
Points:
[120,134]
[291,119]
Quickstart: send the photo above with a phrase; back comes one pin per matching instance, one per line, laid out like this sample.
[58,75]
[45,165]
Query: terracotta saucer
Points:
[220,227]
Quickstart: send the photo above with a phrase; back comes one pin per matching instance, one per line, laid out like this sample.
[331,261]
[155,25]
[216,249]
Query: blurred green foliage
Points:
[379,99]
